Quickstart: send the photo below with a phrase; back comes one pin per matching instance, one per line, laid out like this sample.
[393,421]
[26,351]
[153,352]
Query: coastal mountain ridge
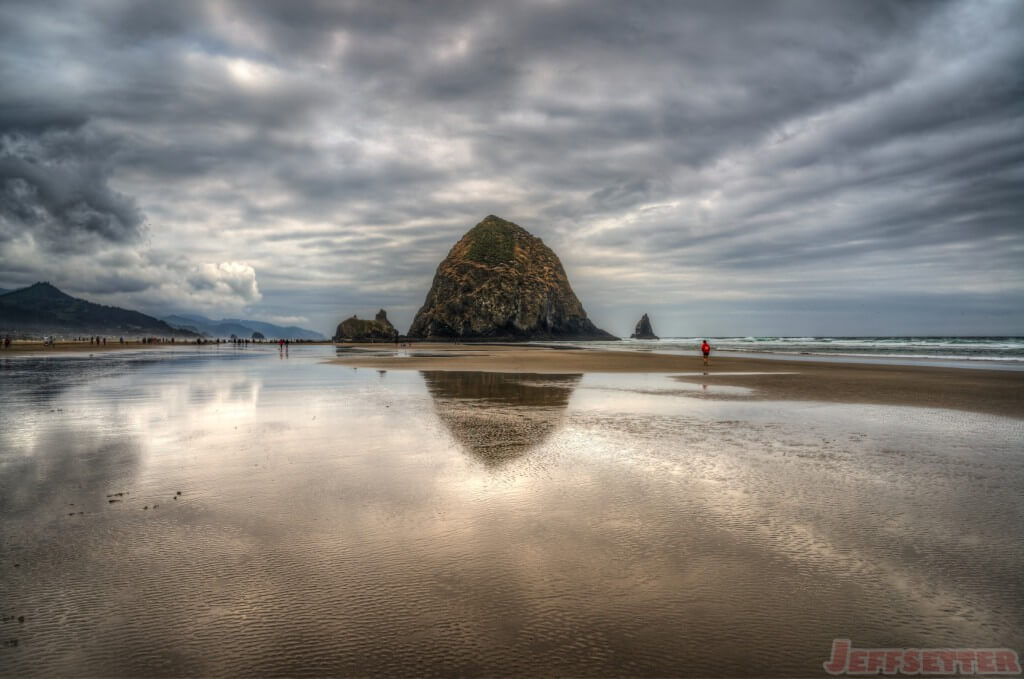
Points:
[501,282]
[239,327]
[43,309]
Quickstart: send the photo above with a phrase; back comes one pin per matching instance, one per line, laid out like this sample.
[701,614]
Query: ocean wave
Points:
[945,357]
[1004,348]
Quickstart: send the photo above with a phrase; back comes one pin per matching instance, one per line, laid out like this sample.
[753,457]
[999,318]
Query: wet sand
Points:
[251,512]
[982,391]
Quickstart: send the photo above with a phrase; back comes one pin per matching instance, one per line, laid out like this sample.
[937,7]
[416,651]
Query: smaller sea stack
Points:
[356,328]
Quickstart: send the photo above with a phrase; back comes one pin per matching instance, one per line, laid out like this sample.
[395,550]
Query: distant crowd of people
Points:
[98,340]
[101,341]
[49,340]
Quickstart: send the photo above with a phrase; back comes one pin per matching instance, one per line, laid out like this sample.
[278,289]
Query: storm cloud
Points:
[55,186]
[729,167]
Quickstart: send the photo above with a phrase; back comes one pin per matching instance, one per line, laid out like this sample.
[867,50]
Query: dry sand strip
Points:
[34,347]
[76,346]
[984,391]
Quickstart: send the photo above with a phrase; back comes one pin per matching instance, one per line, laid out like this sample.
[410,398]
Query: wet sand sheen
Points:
[982,391]
[340,521]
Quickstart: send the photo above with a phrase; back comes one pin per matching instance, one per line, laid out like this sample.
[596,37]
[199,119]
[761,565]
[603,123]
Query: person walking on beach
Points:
[705,349]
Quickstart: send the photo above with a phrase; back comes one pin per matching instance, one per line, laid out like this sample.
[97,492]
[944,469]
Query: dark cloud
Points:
[729,150]
[54,186]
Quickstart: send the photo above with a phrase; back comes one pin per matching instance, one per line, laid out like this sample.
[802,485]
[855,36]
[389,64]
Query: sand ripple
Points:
[251,516]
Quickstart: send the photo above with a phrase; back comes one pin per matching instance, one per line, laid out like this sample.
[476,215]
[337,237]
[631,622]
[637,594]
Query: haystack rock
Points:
[643,329]
[357,328]
[501,282]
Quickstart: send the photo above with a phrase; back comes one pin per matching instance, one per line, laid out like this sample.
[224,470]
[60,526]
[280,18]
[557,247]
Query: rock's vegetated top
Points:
[358,328]
[643,329]
[501,282]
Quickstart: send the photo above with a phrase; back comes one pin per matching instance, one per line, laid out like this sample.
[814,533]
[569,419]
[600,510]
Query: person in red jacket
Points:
[705,349]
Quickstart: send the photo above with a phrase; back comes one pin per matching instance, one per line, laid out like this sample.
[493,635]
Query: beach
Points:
[984,391]
[497,510]
[84,346]
[999,392]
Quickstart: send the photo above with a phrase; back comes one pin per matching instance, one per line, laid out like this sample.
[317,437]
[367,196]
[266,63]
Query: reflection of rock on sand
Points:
[498,417]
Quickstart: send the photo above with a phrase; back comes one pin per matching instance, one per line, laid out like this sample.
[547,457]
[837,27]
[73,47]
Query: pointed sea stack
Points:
[501,282]
[643,329]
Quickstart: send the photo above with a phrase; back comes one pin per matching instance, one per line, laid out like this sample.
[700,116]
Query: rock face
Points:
[643,329]
[356,328]
[501,282]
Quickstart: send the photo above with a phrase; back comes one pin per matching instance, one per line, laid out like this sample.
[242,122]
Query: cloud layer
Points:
[729,167]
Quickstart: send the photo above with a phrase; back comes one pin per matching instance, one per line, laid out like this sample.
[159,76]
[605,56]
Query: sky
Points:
[730,168]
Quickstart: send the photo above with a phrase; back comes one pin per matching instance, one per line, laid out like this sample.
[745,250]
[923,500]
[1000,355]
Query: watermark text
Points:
[846,659]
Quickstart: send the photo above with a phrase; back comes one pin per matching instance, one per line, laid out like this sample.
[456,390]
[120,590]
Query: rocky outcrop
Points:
[356,328]
[643,329]
[501,282]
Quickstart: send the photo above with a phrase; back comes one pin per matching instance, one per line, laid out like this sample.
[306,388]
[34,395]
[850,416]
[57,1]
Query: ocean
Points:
[994,351]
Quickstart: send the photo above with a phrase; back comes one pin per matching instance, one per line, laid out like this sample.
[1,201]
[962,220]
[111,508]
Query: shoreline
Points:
[980,390]
[973,390]
[35,347]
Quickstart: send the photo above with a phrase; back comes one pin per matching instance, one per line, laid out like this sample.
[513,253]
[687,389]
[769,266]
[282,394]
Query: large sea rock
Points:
[501,282]
[356,328]
[643,329]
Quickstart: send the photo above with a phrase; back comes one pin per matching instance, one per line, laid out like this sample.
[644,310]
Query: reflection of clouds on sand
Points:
[876,497]
[63,445]
[498,417]
[84,427]
[66,470]
[196,403]
[333,520]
